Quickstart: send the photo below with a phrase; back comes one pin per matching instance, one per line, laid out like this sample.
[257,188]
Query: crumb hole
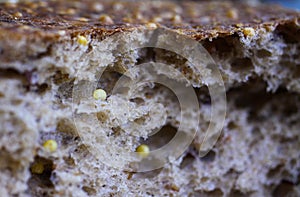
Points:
[209,157]
[187,161]
[109,79]
[285,188]
[102,116]
[213,193]
[41,89]
[65,90]
[160,138]
[203,95]
[242,64]
[89,190]
[232,125]
[236,193]
[146,175]
[69,161]
[223,47]
[41,182]
[263,53]
[137,100]
[289,32]
[60,77]
[273,173]
[66,126]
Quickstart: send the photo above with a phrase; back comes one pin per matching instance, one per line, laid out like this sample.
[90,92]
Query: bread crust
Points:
[199,20]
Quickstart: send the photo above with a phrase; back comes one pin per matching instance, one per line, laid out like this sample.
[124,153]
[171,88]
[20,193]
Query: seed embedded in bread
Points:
[143,150]
[99,94]
[18,14]
[249,32]
[82,40]
[232,14]
[176,19]
[50,145]
[105,19]
[151,25]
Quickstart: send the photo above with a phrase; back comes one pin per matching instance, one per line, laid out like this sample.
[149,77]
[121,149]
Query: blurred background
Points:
[294,4]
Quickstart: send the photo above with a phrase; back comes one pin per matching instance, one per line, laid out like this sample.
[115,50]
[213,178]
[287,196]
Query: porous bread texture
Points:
[256,155]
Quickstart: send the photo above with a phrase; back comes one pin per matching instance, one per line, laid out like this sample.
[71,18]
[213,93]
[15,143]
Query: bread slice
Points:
[48,48]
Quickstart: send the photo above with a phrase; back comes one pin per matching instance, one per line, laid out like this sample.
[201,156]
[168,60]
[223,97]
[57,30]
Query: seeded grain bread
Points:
[44,44]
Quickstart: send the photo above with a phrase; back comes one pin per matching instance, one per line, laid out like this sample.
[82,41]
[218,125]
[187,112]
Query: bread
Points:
[47,48]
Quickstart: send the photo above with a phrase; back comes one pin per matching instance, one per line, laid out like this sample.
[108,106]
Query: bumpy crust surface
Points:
[198,20]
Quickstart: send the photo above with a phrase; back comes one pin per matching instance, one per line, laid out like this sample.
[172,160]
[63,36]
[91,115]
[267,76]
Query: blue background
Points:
[294,4]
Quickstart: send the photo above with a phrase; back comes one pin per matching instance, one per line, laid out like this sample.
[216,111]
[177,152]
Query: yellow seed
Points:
[239,25]
[269,28]
[24,27]
[99,94]
[50,145]
[70,11]
[118,6]
[127,20]
[249,32]
[97,6]
[10,5]
[143,150]
[232,13]
[42,3]
[61,32]
[37,168]
[18,14]
[151,25]
[138,16]
[105,19]
[157,19]
[176,19]
[82,40]
[82,19]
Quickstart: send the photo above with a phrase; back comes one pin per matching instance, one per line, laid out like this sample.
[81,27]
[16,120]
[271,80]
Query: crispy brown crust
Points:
[200,20]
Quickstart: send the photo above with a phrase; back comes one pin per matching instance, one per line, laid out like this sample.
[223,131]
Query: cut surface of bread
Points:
[48,48]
